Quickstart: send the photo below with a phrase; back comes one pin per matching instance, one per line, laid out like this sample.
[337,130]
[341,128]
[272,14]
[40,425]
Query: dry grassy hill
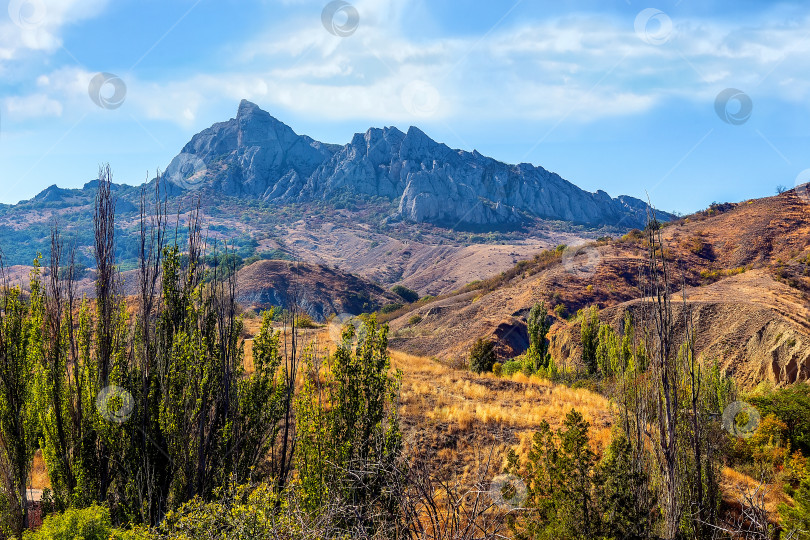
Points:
[746,268]
[317,289]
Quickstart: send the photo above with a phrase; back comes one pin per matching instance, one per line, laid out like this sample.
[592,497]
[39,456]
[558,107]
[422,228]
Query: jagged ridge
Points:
[256,155]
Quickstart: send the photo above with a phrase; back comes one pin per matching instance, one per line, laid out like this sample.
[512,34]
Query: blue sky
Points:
[613,95]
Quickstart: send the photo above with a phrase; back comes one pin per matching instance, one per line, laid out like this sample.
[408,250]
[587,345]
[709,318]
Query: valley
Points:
[354,338]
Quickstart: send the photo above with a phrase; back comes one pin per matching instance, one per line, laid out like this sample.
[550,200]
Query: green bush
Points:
[9,522]
[511,367]
[405,293]
[497,369]
[415,319]
[390,308]
[797,517]
[92,523]
[791,405]
[482,355]
[305,321]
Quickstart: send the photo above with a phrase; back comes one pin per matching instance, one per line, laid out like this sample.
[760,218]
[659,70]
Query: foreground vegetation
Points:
[681,428]
[152,424]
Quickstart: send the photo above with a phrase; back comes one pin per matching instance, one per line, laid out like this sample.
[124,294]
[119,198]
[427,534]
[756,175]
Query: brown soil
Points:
[746,268]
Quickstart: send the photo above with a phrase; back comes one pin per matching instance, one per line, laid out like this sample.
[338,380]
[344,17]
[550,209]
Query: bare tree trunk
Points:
[286,454]
[57,350]
[106,299]
[659,331]
[693,370]
[153,478]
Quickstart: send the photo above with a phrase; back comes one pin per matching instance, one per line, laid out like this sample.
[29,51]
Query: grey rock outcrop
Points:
[255,155]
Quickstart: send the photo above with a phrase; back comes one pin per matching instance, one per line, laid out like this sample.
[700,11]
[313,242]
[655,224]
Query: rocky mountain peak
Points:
[260,128]
[246,108]
[257,155]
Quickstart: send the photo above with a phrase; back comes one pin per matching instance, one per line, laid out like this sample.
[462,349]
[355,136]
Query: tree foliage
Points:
[20,347]
[538,325]
[570,494]
[791,405]
[590,338]
[141,412]
[482,355]
[348,432]
[408,295]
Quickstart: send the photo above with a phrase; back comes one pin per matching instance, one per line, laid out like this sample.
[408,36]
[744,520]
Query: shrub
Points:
[92,523]
[511,367]
[482,355]
[390,308]
[791,405]
[305,321]
[797,517]
[9,522]
[539,262]
[717,274]
[634,235]
[497,369]
[415,319]
[405,293]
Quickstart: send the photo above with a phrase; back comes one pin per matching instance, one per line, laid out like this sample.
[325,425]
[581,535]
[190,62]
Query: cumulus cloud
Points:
[33,106]
[37,24]
[580,68]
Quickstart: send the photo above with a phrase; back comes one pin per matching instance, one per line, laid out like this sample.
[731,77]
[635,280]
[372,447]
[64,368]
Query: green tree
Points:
[560,476]
[482,355]
[348,431]
[577,460]
[262,406]
[538,325]
[67,387]
[20,341]
[590,338]
[627,505]
[405,293]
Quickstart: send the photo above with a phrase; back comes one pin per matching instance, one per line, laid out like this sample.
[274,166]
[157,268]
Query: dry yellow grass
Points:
[39,473]
[734,483]
[433,391]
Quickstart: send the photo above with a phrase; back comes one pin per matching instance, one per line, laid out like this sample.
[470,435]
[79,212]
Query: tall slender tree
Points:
[20,342]
[538,325]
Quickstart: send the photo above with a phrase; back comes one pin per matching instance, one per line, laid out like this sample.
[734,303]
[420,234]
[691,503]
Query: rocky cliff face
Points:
[255,155]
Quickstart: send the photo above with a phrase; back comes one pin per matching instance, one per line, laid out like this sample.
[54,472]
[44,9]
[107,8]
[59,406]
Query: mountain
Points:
[389,206]
[256,156]
[745,267]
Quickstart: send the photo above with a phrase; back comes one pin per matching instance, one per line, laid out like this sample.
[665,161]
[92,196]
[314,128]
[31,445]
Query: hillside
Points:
[745,267]
[318,290]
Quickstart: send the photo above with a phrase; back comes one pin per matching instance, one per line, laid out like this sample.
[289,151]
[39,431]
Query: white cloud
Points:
[581,68]
[37,24]
[33,106]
